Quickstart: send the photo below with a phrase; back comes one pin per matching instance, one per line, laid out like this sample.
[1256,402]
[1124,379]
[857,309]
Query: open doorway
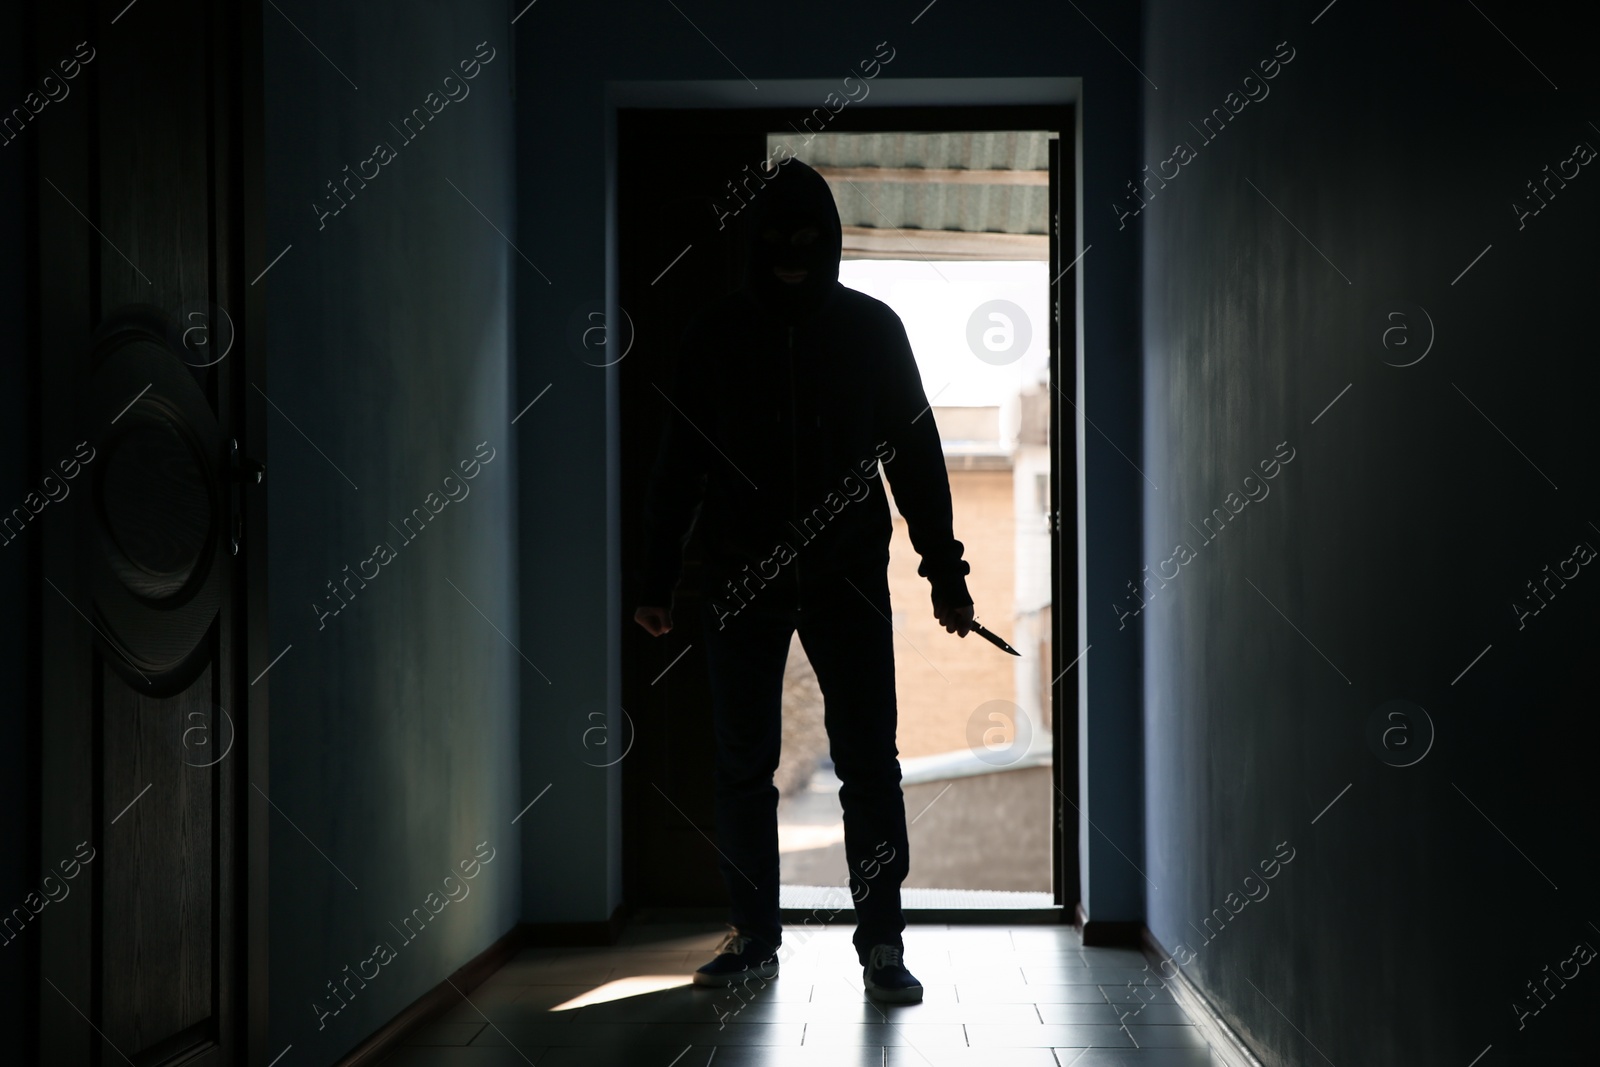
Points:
[953,217]
[951,230]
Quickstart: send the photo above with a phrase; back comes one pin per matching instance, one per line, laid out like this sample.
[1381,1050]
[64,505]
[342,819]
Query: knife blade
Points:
[994,639]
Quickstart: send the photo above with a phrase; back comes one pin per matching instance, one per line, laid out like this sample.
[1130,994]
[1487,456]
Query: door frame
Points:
[908,105]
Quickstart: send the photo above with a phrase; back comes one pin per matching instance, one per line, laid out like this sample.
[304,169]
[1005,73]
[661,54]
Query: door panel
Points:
[662,210]
[152,568]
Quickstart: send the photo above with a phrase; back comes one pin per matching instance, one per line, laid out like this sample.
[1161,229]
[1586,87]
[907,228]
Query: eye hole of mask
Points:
[804,235]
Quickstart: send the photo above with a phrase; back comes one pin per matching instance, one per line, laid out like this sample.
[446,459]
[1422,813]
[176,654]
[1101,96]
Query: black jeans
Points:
[844,628]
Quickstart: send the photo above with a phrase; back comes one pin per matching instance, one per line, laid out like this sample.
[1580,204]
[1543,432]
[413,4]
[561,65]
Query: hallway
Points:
[1024,996]
[362,709]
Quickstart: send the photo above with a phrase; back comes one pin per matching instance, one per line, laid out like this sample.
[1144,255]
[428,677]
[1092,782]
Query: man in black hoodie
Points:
[788,395]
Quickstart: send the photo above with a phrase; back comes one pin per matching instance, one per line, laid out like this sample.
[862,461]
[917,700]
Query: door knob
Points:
[245,468]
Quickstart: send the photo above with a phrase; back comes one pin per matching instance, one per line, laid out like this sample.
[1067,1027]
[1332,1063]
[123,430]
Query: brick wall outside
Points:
[941,679]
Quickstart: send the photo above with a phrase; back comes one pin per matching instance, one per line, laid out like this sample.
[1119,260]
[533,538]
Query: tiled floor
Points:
[1028,996]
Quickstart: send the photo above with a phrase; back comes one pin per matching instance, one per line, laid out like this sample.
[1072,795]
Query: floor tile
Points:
[845,1011]
[1152,1015]
[961,982]
[1049,1035]
[1082,1013]
[499,1003]
[1096,975]
[545,997]
[658,935]
[904,1056]
[446,1033]
[1113,957]
[815,1056]
[663,955]
[974,931]
[932,992]
[1139,994]
[642,1054]
[817,950]
[998,941]
[503,1056]
[685,1004]
[1031,994]
[1033,958]
[606,1035]
[1032,936]
[555,971]
[787,987]
[627,967]
[1120,975]
[1166,1036]
[1113,1057]
[916,1035]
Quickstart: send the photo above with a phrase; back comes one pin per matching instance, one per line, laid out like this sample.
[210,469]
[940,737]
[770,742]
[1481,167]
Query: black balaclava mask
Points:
[793,226]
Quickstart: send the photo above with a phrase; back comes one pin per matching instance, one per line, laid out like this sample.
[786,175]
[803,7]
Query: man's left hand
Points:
[954,620]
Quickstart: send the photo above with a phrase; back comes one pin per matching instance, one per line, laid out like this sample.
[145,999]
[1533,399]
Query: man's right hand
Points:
[657,620]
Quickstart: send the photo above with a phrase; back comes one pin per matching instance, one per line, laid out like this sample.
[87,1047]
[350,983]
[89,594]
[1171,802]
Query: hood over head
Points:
[793,199]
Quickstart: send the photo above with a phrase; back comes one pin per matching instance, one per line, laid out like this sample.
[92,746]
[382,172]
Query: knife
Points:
[992,638]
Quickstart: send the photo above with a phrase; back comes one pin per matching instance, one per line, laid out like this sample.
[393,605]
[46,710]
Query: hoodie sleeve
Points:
[915,468]
[677,482]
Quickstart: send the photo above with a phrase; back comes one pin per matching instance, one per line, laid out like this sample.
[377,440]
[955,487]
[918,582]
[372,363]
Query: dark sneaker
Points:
[739,957]
[886,977]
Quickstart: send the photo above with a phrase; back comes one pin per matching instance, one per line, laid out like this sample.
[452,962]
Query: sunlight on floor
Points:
[622,988]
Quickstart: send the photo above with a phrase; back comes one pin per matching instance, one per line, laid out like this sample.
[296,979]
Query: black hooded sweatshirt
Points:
[787,397]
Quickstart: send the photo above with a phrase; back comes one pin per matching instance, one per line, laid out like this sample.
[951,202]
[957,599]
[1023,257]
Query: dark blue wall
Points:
[394,729]
[1388,553]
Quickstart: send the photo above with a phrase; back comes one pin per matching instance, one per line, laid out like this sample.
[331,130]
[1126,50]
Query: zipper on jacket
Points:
[794,467]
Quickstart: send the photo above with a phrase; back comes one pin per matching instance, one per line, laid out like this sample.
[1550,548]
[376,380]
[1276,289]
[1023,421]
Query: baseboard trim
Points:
[447,994]
[1226,1045]
[436,1001]
[1106,934]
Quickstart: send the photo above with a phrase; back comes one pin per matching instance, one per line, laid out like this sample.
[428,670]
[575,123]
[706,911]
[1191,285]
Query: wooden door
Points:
[680,248]
[151,598]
